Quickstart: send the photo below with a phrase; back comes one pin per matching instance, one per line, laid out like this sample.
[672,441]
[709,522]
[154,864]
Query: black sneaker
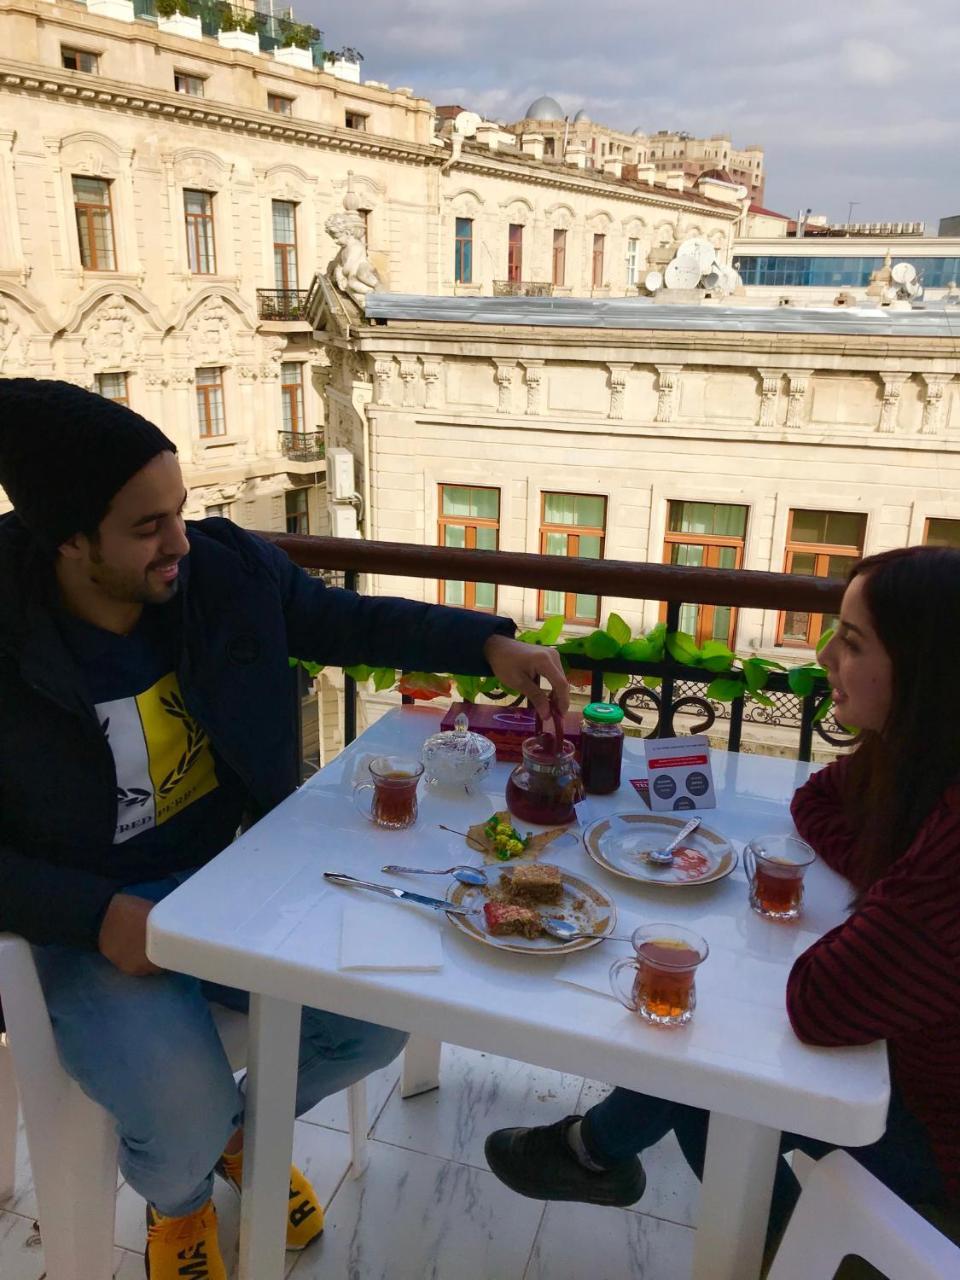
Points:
[538,1163]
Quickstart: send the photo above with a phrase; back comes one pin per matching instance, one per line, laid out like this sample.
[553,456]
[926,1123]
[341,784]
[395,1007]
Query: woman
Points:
[887,817]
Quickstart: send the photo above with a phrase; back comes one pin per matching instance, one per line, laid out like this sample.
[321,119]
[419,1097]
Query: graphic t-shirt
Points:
[177,800]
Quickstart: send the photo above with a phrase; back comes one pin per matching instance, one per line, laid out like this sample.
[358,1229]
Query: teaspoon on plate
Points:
[466,875]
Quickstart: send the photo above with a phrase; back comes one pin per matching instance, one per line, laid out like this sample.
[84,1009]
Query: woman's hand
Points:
[520,666]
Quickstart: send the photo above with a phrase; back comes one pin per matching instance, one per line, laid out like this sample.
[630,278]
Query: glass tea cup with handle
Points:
[659,980]
[392,799]
[775,867]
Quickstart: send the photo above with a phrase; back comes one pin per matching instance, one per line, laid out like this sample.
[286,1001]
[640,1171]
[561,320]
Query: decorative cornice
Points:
[115,95]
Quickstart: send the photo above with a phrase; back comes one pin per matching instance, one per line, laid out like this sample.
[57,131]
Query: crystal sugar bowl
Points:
[457,759]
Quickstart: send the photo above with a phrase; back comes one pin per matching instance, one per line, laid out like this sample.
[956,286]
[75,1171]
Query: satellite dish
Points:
[682,273]
[904,273]
[466,122]
[912,288]
[712,279]
[730,279]
[699,251]
[653,281]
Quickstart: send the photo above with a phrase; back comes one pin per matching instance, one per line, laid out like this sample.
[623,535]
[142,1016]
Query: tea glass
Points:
[393,800]
[664,964]
[775,867]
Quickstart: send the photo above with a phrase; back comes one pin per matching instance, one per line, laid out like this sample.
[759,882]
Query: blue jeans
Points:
[625,1123]
[148,1051]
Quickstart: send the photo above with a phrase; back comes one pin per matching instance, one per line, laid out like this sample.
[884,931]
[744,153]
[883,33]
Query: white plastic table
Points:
[261,917]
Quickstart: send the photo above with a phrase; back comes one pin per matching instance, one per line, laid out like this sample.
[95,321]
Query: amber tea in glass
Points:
[393,802]
[664,967]
[775,867]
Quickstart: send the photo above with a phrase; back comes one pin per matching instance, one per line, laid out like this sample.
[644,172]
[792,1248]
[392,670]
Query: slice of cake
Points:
[533,882]
[504,918]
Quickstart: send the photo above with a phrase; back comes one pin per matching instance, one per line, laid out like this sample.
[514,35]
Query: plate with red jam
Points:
[510,908]
[622,842]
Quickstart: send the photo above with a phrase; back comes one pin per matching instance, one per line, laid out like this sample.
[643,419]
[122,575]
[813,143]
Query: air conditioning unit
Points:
[341,480]
[343,521]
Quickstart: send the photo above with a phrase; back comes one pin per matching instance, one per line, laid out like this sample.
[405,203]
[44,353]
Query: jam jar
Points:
[601,747]
[546,784]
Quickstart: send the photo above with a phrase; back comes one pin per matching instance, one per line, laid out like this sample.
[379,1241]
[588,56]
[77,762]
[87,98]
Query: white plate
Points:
[619,842]
[596,914]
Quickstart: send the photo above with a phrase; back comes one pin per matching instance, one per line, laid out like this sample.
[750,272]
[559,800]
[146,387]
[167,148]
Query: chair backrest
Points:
[843,1210]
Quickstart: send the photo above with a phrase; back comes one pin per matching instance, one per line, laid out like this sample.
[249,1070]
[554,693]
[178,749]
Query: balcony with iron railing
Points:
[285,305]
[302,446]
[659,692]
[522,289]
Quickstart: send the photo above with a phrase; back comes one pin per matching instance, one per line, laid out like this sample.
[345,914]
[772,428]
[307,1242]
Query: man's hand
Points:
[123,935]
[519,665]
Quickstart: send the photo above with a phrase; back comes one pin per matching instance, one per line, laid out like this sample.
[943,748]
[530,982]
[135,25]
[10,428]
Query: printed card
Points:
[679,774]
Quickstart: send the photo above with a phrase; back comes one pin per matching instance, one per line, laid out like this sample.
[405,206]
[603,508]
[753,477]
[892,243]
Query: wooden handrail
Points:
[741,588]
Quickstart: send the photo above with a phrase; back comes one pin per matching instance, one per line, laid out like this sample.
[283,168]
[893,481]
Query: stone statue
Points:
[351,270]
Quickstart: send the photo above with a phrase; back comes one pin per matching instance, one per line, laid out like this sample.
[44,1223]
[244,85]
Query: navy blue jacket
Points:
[246,608]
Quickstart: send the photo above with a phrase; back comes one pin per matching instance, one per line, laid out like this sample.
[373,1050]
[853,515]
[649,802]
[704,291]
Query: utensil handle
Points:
[337,878]
[682,834]
[416,871]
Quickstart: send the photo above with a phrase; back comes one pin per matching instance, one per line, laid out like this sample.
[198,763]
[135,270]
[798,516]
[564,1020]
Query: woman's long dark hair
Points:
[899,773]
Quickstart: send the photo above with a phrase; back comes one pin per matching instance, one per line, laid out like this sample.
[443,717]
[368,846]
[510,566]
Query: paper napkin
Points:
[379,935]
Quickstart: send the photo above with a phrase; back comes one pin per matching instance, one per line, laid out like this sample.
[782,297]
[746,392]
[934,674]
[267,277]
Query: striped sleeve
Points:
[818,814]
[892,968]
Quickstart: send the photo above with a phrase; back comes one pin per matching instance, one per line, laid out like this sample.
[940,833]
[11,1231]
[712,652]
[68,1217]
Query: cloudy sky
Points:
[852,99]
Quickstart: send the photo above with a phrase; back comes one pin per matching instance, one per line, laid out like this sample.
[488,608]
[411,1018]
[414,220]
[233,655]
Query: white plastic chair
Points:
[76,1193]
[844,1210]
[9,1116]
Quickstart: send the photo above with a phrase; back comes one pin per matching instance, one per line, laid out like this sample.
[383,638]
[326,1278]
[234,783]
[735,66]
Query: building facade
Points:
[164,198]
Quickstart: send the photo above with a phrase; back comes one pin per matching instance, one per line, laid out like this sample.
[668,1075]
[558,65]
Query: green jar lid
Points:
[603,713]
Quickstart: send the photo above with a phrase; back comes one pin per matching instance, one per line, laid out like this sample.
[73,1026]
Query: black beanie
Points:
[65,452]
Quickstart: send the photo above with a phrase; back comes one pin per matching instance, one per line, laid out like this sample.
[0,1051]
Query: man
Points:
[146,711]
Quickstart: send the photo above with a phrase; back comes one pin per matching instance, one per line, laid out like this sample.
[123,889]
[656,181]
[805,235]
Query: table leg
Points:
[421,1066]
[735,1199]
[271,1089]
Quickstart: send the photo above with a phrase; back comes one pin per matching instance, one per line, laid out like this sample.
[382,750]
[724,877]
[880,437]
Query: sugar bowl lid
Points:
[458,751]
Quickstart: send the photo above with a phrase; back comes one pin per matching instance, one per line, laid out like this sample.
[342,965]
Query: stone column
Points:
[770,380]
[409,371]
[533,370]
[936,384]
[505,375]
[382,377]
[618,387]
[668,381]
[431,382]
[889,410]
[796,399]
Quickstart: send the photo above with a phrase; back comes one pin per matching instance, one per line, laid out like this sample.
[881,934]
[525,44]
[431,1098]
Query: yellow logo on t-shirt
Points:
[162,756]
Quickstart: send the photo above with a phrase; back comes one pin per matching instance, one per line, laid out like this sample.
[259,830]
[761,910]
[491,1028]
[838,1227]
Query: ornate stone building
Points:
[164,203]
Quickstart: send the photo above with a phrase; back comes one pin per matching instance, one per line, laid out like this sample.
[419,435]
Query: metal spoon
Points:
[567,932]
[466,875]
[663,857]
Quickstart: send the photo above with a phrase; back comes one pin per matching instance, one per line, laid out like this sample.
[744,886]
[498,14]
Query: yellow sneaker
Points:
[184,1248]
[304,1213]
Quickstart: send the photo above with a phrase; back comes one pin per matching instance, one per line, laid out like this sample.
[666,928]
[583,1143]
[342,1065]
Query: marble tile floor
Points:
[427,1207]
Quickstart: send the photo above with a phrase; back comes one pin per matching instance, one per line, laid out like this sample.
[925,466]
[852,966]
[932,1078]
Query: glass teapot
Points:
[457,758]
[546,784]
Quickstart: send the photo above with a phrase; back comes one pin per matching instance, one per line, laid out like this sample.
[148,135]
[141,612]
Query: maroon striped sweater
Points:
[891,971]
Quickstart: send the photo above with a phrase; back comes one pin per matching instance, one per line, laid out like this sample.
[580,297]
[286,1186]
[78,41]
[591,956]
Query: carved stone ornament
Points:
[181,377]
[382,376]
[618,387]
[889,411]
[933,404]
[351,270]
[11,340]
[249,372]
[770,380]
[210,333]
[796,398]
[534,376]
[431,383]
[112,337]
[409,370]
[155,378]
[668,379]
[504,376]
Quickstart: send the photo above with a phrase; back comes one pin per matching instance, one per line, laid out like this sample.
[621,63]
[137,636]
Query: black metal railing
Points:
[281,304]
[302,446]
[522,289]
[681,690]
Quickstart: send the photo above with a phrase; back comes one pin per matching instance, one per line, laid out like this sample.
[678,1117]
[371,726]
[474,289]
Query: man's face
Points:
[135,555]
